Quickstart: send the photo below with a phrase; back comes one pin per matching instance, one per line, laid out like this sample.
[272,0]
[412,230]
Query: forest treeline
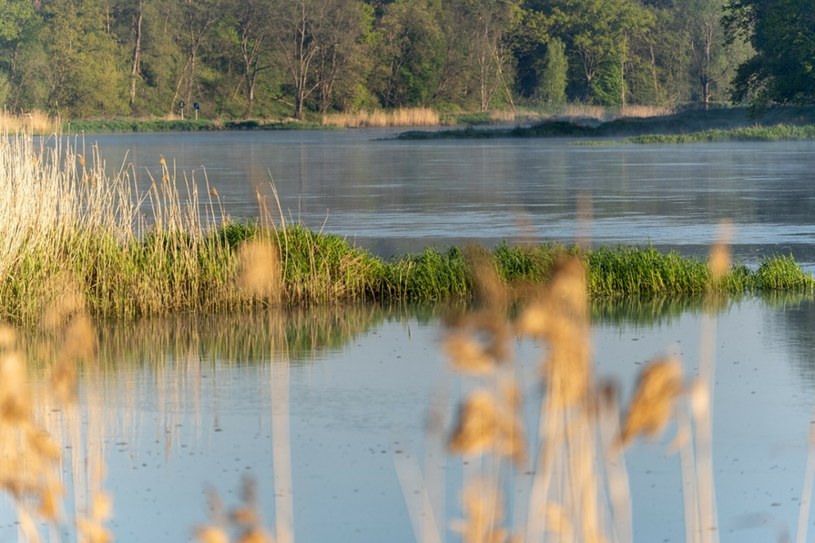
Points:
[256,58]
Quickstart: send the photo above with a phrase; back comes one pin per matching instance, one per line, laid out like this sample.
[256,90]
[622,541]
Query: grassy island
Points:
[125,248]
[724,124]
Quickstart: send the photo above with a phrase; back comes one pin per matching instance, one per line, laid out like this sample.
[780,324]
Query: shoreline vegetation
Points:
[715,125]
[633,124]
[127,247]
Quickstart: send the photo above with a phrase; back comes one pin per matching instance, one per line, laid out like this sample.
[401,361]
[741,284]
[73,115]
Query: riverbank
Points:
[787,122]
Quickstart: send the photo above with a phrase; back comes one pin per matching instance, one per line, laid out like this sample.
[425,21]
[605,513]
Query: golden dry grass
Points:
[603,113]
[33,122]
[383,119]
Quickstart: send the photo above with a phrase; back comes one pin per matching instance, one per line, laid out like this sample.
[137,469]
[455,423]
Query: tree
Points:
[253,20]
[599,34]
[555,74]
[299,28]
[18,26]
[199,19]
[340,62]
[782,33]
[483,28]
[86,75]
[412,50]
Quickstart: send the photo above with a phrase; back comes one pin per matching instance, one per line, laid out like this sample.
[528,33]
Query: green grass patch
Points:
[175,272]
[752,133]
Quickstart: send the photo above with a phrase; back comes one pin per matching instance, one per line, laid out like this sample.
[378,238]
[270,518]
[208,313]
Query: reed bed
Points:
[162,245]
[383,118]
[33,122]
[602,113]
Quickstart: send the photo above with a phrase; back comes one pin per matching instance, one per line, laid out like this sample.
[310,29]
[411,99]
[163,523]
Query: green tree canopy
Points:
[782,33]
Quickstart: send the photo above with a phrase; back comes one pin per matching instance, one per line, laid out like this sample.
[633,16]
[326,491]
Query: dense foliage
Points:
[782,33]
[263,58]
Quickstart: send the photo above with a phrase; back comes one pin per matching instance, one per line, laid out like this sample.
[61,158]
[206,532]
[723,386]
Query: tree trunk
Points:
[136,71]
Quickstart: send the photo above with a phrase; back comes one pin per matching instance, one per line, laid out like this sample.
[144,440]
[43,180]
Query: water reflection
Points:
[793,326]
[176,405]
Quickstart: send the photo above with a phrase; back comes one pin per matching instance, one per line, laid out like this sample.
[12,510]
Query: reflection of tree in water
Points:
[796,329]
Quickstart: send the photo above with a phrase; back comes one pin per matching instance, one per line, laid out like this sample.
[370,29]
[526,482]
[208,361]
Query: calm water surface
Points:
[397,196]
[176,407]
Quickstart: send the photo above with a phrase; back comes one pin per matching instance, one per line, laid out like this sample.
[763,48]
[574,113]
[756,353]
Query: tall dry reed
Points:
[383,118]
[603,113]
[32,122]
[579,491]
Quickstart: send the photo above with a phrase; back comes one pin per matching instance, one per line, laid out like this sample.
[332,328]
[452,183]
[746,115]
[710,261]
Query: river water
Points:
[397,196]
[180,406]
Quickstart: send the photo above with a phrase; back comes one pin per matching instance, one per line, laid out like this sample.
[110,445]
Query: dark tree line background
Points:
[255,58]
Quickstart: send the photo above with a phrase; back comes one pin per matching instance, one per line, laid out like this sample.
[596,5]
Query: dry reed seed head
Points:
[244,516]
[658,386]
[534,320]
[15,399]
[63,380]
[70,303]
[254,536]
[488,284]
[50,502]
[92,529]
[719,261]
[92,532]
[211,534]
[260,271]
[468,355]
[567,288]
[557,521]
[8,338]
[484,425]
[699,395]
[42,445]
[80,338]
[483,510]
[476,429]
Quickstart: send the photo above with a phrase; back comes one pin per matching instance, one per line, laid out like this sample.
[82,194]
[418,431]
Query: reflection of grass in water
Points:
[641,311]
[229,338]
[650,310]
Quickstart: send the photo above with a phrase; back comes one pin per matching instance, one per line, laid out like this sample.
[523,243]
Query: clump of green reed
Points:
[782,273]
[323,268]
[428,276]
[633,270]
[529,264]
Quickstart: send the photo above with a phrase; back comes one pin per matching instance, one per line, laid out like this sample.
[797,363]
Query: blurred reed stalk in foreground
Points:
[579,490]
